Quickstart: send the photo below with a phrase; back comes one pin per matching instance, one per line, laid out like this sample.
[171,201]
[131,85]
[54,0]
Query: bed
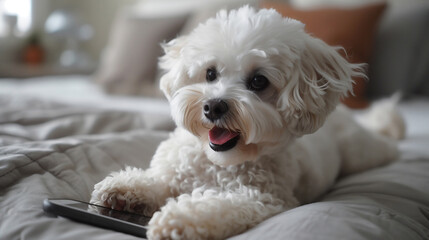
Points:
[59,144]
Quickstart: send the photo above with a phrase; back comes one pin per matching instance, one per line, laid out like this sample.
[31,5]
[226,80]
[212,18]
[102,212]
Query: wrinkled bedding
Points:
[50,150]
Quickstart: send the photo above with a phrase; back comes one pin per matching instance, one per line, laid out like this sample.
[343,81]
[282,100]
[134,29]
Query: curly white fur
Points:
[292,142]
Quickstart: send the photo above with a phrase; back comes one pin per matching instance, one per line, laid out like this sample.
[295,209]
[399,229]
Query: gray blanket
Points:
[50,150]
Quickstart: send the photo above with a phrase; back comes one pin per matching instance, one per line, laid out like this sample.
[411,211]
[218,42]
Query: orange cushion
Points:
[352,28]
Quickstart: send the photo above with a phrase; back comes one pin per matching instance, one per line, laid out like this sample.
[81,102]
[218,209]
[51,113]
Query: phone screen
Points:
[126,222]
[124,216]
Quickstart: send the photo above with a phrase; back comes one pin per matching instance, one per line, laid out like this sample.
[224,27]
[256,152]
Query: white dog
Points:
[245,89]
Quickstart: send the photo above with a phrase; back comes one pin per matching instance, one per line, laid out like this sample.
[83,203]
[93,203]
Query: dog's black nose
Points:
[215,109]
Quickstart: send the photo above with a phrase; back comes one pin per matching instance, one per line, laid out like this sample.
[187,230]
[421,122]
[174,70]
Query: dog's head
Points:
[248,82]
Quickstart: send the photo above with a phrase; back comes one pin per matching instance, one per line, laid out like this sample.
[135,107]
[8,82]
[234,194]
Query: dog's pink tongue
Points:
[220,136]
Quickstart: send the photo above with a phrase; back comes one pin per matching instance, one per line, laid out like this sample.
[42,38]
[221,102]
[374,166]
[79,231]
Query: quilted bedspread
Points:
[51,150]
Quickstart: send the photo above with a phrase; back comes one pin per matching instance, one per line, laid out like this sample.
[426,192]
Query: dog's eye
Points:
[258,83]
[211,74]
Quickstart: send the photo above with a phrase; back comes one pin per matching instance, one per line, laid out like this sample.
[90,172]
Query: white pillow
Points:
[129,63]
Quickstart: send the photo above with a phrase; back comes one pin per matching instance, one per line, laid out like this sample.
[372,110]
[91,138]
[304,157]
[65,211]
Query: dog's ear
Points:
[172,63]
[320,77]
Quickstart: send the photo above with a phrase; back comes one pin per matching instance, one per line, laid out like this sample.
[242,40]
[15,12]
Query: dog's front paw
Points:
[169,225]
[182,219]
[122,191]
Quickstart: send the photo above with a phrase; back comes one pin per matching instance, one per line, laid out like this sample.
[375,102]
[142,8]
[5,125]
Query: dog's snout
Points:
[215,109]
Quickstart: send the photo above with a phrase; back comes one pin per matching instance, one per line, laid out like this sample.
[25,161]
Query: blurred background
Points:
[55,26]
[115,43]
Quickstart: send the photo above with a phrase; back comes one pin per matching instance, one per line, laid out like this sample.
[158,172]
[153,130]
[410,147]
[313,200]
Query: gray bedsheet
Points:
[55,150]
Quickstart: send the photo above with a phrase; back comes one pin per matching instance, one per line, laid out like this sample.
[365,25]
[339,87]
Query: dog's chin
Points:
[233,152]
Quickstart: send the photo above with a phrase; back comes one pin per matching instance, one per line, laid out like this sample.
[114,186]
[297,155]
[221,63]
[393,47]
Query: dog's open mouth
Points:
[222,139]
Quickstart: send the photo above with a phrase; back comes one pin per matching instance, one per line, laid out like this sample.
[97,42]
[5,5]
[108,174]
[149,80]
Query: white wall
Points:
[98,13]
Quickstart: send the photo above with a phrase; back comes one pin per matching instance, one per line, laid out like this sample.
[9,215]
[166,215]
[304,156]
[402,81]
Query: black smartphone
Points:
[99,216]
